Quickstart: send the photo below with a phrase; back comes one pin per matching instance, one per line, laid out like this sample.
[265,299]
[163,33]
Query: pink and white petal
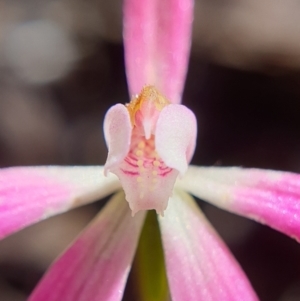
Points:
[199,265]
[96,266]
[117,132]
[175,136]
[157,38]
[30,194]
[269,197]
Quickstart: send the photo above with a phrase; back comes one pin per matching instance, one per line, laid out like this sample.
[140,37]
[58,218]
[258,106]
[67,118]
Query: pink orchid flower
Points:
[151,141]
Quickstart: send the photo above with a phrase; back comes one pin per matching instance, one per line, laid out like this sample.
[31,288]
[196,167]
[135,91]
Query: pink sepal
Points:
[157,38]
[117,132]
[96,266]
[31,194]
[269,197]
[175,136]
[199,265]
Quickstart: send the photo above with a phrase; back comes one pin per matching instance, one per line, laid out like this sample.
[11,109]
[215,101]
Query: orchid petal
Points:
[96,266]
[199,265]
[157,37]
[30,194]
[175,136]
[269,197]
[117,132]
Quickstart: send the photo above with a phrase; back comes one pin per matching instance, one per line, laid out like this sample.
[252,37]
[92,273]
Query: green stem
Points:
[149,266]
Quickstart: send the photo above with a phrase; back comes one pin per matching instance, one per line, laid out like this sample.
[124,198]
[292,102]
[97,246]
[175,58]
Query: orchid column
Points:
[152,139]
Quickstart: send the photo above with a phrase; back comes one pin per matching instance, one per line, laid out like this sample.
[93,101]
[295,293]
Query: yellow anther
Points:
[139,179]
[154,173]
[141,144]
[154,180]
[156,163]
[148,95]
[139,153]
[140,163]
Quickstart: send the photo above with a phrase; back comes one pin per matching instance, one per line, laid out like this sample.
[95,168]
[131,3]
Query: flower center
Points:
[143,161]
[144,110]
[150,141]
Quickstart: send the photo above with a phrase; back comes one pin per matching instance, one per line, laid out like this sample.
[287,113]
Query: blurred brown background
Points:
[61,67]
